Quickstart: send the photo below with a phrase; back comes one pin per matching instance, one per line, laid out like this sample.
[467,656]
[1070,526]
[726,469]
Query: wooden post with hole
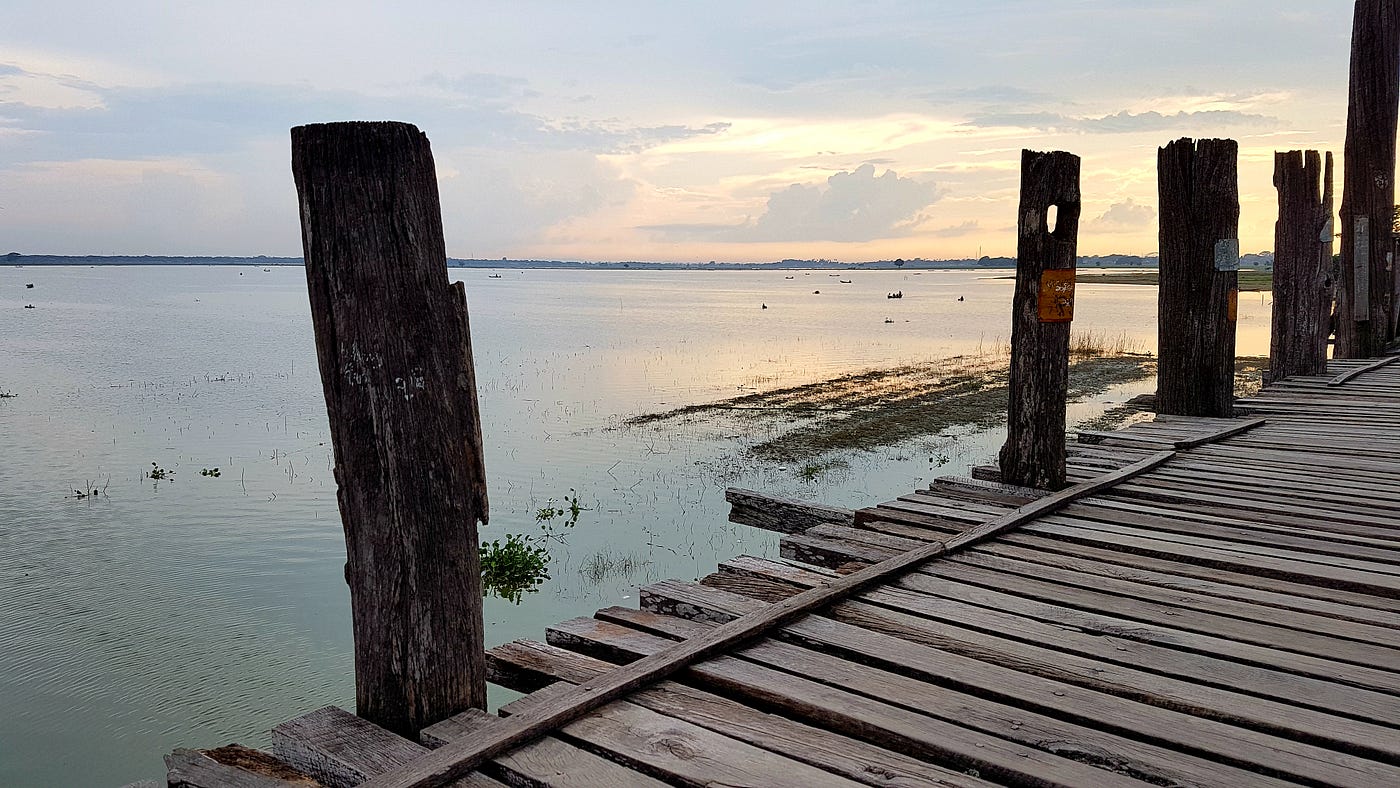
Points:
[1364,304]
[1041,311]
[396,366]
[1302,287]
[1198,293]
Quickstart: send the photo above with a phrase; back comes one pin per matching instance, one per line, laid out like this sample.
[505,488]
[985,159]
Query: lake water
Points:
[199,610]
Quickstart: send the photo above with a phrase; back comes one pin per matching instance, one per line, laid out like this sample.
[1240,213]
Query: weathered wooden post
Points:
[1041,311]
[1302,287]
[396,367]
[1329,239]
[1198,294]
[1364,308]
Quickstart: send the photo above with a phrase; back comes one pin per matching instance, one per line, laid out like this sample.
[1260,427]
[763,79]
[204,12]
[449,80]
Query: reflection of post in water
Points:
[1042,308]
[396,367]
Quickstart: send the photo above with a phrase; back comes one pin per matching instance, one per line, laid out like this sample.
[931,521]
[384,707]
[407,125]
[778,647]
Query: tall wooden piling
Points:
[396,366]
[1302,287]
[1042,308]
[1364,309]
[1198,292]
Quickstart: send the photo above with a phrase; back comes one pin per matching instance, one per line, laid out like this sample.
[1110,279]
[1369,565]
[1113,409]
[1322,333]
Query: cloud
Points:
[988,94]
[958,230]
[1121,122]
[1123,216]
[193,119]
[493,202]
[852,206]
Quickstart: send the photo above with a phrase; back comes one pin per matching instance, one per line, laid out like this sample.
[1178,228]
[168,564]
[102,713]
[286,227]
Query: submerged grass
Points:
[1250,280]
[810,423]
[809,426]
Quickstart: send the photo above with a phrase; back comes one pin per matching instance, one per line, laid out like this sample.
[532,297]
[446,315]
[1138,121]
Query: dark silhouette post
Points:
[396,367]
[1197,296]
[1302,287]
[1364,303]
[1042,308]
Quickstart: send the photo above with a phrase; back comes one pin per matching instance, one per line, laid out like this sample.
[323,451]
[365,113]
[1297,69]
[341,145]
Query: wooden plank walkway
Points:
[1225,613]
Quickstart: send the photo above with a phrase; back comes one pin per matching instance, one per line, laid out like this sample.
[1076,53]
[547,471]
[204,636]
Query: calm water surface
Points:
[195,610]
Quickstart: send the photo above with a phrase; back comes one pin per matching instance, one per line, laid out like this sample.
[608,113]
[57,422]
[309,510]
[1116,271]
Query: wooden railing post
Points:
[396,366]
[1042,308]
[1364,308]
[1302,287]
[1198,294]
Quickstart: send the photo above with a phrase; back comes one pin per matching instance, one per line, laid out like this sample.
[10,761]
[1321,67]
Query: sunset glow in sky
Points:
[652,130]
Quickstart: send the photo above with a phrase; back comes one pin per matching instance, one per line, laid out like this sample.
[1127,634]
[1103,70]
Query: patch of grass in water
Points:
[815,469]
[809,427]
[606,564]
[1251,280]
[882,407]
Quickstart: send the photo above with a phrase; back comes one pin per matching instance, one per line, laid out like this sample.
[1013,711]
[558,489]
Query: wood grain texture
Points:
[901,669]
[782,515]
[1302,288]
[1034,452]
[1198,197]
[1364,310]
[231,767]
[340,749]
[395,356]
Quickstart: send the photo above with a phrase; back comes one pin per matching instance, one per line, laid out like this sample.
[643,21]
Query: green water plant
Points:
[519,564]
[214,472]
[514,567]
[556,518]
[157,473]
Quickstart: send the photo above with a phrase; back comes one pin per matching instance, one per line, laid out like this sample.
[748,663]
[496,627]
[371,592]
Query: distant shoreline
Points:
[1143,263]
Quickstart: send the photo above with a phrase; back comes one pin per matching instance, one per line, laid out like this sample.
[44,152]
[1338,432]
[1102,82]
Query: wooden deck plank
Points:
[1232,744]
[843,755]
[1111,752]
[1134,650]
[1284,549]
[1096,674]
[1235,621]
[1342,605]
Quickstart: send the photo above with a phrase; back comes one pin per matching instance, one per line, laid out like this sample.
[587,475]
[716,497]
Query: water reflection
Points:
[198,609]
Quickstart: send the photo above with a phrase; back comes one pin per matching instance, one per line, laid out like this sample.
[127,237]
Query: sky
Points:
[672,131]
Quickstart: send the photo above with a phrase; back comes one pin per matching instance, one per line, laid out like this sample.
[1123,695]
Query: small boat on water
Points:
[787,277]
[895,294]
[494,276]
[888,320]
[28,306]
[844,281]
[29,286]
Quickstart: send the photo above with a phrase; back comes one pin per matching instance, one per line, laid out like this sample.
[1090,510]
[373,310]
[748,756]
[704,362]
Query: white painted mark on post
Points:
[1361,269]
[1227,254]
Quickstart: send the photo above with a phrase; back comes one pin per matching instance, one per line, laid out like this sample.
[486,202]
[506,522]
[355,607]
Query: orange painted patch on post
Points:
[1232,305]
[1056,303]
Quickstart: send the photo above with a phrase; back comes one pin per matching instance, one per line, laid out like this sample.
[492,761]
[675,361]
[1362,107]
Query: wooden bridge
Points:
[1213,602]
